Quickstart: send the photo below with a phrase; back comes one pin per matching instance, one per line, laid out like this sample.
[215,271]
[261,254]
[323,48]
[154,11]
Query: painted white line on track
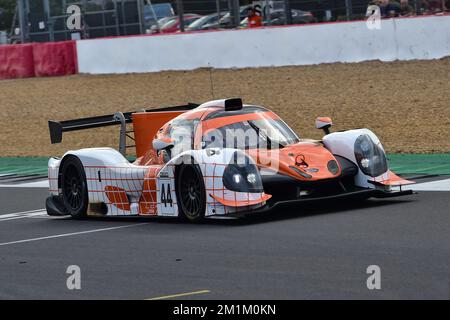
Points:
[178,295]
[46,216]
[23,214]
[36,184]
[439,185]
[72,234]
[23,217]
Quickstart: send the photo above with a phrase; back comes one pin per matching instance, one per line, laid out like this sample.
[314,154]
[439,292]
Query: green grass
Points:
[399,163]
[420,163]
[23,165]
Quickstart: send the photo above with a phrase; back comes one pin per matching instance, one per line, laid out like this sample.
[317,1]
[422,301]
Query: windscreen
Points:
[260,129]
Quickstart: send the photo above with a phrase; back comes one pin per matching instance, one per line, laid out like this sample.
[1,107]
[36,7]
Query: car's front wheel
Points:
[74,187]
[191,194]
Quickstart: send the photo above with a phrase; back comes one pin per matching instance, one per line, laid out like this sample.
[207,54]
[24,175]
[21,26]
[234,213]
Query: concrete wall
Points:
[398,39]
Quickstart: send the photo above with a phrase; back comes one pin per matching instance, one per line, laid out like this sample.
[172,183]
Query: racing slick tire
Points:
[191,193]
[74,187]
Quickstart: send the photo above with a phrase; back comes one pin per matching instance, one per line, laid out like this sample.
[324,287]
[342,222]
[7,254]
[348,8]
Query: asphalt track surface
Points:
[310,252]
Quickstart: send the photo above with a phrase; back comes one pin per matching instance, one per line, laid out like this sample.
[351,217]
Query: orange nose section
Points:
[307,161]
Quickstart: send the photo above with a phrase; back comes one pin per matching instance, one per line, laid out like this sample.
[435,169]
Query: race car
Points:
[222,158]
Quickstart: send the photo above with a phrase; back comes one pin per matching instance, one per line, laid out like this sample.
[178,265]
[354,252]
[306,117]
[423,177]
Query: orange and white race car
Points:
[220,158]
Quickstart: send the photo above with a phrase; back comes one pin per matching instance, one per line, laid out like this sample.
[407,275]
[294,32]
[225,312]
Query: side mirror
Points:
[324,123]
[160,145]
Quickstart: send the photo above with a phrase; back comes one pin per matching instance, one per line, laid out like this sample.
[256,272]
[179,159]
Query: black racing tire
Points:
[191,193]
[74,187]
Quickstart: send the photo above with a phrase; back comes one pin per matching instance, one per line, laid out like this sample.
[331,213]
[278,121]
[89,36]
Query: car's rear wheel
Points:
[74,187]
[191,194]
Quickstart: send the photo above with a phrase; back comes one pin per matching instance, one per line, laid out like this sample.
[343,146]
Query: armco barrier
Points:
[398,39]
[54,58]
[16,61]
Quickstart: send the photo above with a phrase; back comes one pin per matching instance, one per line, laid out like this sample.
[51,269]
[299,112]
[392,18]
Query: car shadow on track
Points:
[283,213]
[317,209]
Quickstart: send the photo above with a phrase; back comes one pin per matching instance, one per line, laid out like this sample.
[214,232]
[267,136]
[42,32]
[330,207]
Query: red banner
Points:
[38,59]
[54,58]
[16,61]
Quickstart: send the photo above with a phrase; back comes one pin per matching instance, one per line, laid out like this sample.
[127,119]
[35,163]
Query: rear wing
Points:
[58,127]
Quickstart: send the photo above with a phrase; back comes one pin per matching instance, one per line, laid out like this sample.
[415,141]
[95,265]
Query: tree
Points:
[7,8]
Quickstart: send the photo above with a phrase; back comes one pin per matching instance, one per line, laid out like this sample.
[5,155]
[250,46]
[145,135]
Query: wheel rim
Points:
[73,188]
[191,191]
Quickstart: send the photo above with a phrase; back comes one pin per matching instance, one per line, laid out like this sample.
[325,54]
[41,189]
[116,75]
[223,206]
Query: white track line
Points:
[72,234]
[35,184]
[439,185]
[23,214]
[177,295]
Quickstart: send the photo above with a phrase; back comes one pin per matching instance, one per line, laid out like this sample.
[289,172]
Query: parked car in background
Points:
[206,22]
[160,11]
[173,24]
[227,20]
[298,17]
[278,18]
[155,28]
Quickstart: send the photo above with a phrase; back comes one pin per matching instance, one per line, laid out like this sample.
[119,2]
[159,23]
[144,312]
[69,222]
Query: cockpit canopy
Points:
[210,126]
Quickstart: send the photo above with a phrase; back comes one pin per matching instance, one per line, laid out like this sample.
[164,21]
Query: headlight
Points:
[370,157]
[251,178]
[242,177]
[365,163]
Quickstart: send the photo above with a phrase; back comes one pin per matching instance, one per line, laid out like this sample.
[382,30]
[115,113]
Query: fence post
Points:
[116,18]
[22,24]
[287,11]
[236,13]
[417,5]
[140,9]
[218,8]
[348,9]
[180,14]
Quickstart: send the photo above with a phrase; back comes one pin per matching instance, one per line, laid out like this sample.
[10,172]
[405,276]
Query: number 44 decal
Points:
[166,194]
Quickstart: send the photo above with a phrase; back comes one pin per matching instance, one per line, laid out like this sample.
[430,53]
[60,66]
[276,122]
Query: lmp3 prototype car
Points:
[220,158]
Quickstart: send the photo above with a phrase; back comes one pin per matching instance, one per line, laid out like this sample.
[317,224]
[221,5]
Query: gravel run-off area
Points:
[407,104]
